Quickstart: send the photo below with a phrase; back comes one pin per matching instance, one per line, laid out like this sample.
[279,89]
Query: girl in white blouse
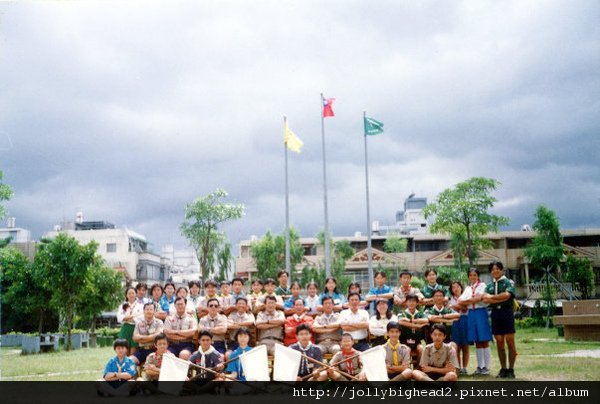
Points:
[128,314]
[378,323]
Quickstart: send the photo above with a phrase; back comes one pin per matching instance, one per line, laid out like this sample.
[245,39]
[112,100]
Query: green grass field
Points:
[537,360]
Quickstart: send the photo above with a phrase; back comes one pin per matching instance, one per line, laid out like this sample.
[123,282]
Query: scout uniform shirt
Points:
[114,365]
[351,366]
[409,335]
[237,318]
[438,358]
[145,328]
[209,359]
[429,289]
[325,319]
[227,301]
[209,323]
[277,297]
[279,291]
[275,332]
[156,360]
[205,299]
[396,355]
[312,351]
[497,287]
[185,322]
[402,292]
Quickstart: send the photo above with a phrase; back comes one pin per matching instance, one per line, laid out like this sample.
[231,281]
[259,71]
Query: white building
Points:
[17,234]
[409,221]
[185,266]
[123,249]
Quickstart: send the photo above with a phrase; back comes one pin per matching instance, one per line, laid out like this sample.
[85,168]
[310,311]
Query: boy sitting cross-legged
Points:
[438,361]
[118,372]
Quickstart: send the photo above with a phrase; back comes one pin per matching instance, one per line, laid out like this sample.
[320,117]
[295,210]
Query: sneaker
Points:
[477,372]
[502,374]
[510,373]
[485,372]
[463,371]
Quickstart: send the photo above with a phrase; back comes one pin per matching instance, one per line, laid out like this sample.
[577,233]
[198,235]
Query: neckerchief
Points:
[349,366]
[394,351]
[496,284]
[304,361]
[203,355]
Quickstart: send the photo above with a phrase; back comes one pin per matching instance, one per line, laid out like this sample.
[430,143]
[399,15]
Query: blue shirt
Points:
[382,291]
[236,365]
[115,366]
[164,302]
[338,298]
[289,303]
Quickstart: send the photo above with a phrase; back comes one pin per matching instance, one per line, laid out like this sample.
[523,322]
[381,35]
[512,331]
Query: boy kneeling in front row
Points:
[307,348]
[118,372]
[438,361]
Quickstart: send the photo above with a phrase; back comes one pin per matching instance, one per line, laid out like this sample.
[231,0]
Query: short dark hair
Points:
[269,297]
[312,283]
[429,270]
[393,325]
[440,327]
[281,273]
[159,337]
[405,273]
[121,342]
[270,281]
[194,283]
[141,285]
[347,335]
[380,273]
[241,298]
[353,294]
[335,289]
[169,283]
[156,285]
[412,296]
[241,331]
[210,282]
[205,333]
[181,288]
[475,270]
[438,291]
[127,290]
[356,285]
[225,282]
[180,298]
[240,280]
[257,281]
[497,264]
[148,304]
[326,298]
[462,288]
[212,299]
[301,327]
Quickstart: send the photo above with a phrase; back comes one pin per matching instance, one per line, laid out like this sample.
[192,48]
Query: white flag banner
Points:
[256,364]
[174,371]
[287,364]
[373,361]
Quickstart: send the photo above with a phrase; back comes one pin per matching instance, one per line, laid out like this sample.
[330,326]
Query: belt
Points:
[275,338]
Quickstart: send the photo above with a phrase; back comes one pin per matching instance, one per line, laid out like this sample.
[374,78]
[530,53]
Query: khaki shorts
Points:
[329,347]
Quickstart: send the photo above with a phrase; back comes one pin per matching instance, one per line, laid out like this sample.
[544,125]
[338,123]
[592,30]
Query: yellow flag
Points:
[291,140]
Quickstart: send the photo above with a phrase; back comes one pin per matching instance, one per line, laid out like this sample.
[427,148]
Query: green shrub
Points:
[449,274]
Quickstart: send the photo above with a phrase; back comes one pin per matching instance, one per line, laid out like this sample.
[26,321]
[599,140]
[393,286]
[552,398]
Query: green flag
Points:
[373,127]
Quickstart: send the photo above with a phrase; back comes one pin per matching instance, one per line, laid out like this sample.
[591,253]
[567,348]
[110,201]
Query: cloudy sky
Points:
[129,110]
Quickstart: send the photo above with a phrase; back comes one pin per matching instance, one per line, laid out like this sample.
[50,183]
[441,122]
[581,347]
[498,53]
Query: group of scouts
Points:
[211,331]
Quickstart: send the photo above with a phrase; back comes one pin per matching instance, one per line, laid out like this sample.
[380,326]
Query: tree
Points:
[201,226]
[269,253]
[546,250]
[5,194]
[463,210]
[395,244]
[65,266]
[102,291]
[24,297]
[579,272]
[224,258]
[341,252]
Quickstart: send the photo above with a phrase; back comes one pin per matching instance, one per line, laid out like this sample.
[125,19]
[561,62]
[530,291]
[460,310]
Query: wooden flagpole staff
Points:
[213,372]
[332,365]
[324,365]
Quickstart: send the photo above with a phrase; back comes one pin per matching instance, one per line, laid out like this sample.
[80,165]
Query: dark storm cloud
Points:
[129,113]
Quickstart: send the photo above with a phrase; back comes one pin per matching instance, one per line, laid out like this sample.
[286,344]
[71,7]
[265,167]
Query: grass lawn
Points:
[537,348]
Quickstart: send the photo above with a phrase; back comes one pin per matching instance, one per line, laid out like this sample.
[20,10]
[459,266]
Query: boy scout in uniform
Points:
[397,355]
[438,361]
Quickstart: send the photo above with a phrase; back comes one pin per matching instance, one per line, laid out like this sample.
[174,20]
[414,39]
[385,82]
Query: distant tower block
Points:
[79,217]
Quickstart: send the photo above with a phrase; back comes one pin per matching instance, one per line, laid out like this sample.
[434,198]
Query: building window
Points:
[111,247]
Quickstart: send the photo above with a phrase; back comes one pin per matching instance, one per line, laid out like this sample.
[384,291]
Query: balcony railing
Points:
[560,290]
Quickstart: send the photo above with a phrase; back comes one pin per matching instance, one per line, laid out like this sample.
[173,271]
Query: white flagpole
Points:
[369,252]
[288,261]
[327,248]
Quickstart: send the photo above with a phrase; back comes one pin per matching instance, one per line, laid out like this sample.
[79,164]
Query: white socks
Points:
[487,357]
[480,356]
